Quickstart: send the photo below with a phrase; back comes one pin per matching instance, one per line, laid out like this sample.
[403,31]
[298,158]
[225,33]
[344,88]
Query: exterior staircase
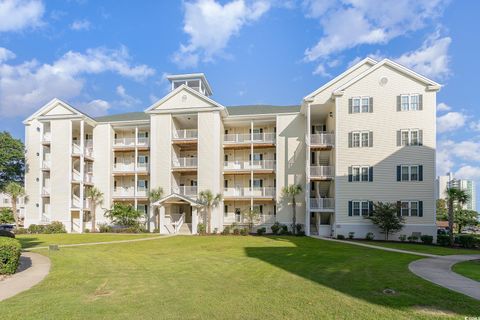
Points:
[185,229]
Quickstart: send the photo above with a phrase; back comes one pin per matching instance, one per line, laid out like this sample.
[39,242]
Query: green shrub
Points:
[284,230]
[351,235]
[236,231]
[36,228]
[370,236]
[340,237]
[156,230]
[412,238]
[426,239]
[6,216]
[403,237]
[467,241]
[20,231]
[443,240]
[104,228]
[261,231]
[54,227]
[5,233]
[299,228]
[201,229]
[86,230]
[10,251]
[244,231]
[226,230]
[276,227]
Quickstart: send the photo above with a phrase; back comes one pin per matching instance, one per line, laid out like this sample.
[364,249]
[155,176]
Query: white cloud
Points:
[210,25]
[465,150]
[444,161]
[127,100]
[443,107]
[16,15]
[475,125]
[468,172]
[6,54]
[321,71]
[80,25]
[26,86]
[95,108]
[451,121]
[431,59]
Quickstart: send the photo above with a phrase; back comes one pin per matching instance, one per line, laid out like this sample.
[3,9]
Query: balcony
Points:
[77,150]
[189,191]
[185,135]
[242,219]
[247,166]
[322,140]
[247,193]
[120,193]
[142,168]
[123,168]
[322,172]
[47,138]
[124,142]
[46,165]
[185,164]
[239,139]
[88,178]
[322,204]
[46,192]
[76,203]
[142,193]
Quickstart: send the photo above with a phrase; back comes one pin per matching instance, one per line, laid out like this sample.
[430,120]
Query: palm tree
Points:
[15,191]
[209,201]
[154,195]
[455,196]
[290,192]
[96,198]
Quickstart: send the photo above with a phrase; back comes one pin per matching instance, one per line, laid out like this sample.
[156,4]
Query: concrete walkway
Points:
[439,271]
[33,268]
[436,269]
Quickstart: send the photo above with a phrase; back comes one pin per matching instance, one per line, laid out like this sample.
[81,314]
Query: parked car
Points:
[7,227]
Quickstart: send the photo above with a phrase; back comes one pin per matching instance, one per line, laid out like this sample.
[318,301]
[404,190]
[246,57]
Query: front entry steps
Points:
[185,229]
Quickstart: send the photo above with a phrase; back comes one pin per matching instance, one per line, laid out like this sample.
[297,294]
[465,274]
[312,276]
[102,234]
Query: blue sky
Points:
[112,56]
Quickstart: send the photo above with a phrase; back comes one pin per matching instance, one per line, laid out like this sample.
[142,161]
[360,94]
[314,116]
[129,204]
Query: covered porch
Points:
[177,214]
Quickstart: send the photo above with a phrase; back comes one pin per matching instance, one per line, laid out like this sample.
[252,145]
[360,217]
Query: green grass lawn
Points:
[418,247]
[233,278]
[41,240]
[469,269]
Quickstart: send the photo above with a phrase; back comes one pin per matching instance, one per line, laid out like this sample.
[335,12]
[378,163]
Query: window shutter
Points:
[399,208]
[370,139]
[399,173]
[349,139]
[146,184]
[420,208]
[370,174]
[350,105]
[420,137]
[350,174]
[371,105]
[420,173]
[249,183]
[146,134]
[399,103]
[399,138]
[261,183]
[350,213]
[420,102]
[261,156]
[313,157]
[370,208]
[146,159]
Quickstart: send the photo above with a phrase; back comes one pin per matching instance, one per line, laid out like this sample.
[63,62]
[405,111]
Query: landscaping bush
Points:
[467,241]
[226,230]
[201,229]
[299,229]
[244,231]
[261,231]
[236,231]
[86,230]
[340,237]
[36,228]
[403,237]
[284,230]
[20,231]
[427,239]
[370,236]
[10,250]
[54,227]
[5,233]
[104,228]
[351,235]
[276,227]
[412,238]
[443,240]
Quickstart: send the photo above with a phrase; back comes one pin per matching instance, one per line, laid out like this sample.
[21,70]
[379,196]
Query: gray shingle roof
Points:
[232,110]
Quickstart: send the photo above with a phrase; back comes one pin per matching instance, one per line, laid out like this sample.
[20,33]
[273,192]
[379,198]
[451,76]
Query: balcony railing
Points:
[322,204]
[185,134]
[123,167]
[142,192]
[45,191]
[142,166]
[322,139]
[262,192]
[243,219]
[326,172]
[232,138]
[249,165]
[47,137]
[46,165]
[124,142]
[142,141]
[76,203]
[187,162]
[124,192]
[186,190]
[77,150]
[88,178]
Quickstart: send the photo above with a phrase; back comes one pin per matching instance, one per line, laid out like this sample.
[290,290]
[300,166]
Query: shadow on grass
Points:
[361,273]
[29,242]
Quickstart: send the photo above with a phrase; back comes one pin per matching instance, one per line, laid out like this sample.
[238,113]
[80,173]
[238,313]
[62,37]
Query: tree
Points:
[6,215]
[442,212]
[385,217]
[154,195]
[124,215]
[253,216]
[465,218]
[290,192]
[209,201]
[455,196]
[96,198]
[12,159]
[15,191]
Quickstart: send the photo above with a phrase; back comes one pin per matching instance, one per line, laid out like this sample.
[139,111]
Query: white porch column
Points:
[194,220]
[161,220]
[82,172]
[307,173]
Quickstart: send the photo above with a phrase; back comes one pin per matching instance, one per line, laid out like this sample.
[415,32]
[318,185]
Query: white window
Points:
[360,139]
[365,173]
[365,139]
[414,138]
[410,137]
[405,208]
[356,208]
[142,184]
[365,104]
[365,208]
[360,173]
[413,173]
[360,104]
[355,174]
[257,183]
[405,173]
[410,102]
[356,139]
[356,105]
[405,100]
[409,173]
[142,159]
[414,208]
[409,208]
[360,207]
[414,102]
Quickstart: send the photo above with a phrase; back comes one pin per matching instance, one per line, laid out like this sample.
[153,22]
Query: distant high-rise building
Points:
[448,181]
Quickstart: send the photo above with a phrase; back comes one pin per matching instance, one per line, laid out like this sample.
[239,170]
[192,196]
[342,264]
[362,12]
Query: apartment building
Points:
[449,181]
[367,135]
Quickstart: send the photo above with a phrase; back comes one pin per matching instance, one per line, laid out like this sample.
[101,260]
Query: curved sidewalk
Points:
[439,271]
[33,268]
